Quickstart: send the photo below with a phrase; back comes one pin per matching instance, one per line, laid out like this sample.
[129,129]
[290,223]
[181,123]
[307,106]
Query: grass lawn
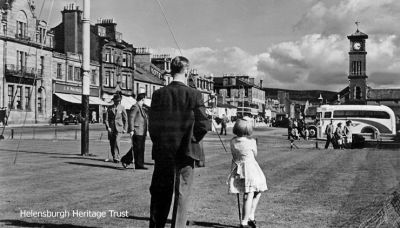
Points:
[308,187]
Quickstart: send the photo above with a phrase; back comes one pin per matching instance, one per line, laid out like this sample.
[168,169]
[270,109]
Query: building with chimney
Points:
[148,76]
[205,84]
[240,91]
[67,67]
[26,53]
[163,62]
[116,60]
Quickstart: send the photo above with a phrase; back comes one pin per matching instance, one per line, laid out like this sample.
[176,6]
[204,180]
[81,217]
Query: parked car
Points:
[71,118]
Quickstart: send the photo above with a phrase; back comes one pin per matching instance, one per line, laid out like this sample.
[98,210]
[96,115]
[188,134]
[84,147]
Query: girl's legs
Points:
[256,198]
[247,203]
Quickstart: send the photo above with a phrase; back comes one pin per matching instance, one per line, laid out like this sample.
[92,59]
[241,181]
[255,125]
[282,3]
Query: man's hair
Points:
[140,96]
[242,128]
[178,64]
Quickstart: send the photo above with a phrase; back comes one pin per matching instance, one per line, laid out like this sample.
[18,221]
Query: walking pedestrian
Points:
[348,132]
[116,124]
[224,121]
[246,176]
[94,117]
[137,128]
[177,124]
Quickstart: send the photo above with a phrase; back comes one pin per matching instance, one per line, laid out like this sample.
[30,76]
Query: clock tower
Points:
[357,68]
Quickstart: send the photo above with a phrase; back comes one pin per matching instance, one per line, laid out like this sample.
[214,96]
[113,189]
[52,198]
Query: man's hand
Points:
[131,133]
[109,130]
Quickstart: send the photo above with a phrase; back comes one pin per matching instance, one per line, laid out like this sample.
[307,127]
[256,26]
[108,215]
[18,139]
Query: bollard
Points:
[76,134]
[316,144]
[12,133]
[55,133]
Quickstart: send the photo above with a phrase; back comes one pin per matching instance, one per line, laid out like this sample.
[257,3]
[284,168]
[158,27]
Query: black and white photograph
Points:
[199,113]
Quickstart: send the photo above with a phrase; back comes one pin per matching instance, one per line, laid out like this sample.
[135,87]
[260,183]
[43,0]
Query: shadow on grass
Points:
[19,223]
[32,152]
[117,166]
[189,223]
[79,157]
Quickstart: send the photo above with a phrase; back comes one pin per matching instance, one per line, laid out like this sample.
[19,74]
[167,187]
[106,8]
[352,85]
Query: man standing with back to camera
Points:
[177,123]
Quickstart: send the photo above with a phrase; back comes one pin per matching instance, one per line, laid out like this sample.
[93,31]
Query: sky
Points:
[290,44]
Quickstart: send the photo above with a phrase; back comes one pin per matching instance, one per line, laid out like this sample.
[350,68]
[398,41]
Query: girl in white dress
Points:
[246,175]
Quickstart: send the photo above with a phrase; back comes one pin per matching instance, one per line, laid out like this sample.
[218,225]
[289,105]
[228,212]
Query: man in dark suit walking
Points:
[137,128]
[116,123]
[177,123]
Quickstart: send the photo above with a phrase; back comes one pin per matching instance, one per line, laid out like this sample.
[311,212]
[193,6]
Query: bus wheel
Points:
[312,132]
[368,130]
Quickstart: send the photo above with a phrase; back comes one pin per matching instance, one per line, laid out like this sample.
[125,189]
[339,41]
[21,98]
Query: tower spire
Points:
[357,23]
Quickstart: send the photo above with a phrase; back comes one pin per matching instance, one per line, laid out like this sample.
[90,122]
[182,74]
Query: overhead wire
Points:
[34,81]
[180,51]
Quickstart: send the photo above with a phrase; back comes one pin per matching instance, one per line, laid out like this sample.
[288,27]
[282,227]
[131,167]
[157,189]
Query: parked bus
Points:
[368,121]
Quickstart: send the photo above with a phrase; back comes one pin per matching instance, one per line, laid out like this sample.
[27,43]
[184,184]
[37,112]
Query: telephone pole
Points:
[85,77]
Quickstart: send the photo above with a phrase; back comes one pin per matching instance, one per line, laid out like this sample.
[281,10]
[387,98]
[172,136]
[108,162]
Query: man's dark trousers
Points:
[138,144]
[114,138]
[223,128]
[329,140]
[170,178]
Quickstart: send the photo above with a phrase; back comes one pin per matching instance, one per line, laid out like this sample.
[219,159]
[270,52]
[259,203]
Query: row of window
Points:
[356,68]
[109,77]
[22,33]
[74,74]
[124,60]
[202,84]
[235,92]
[357,114]
[22,60]
[19,98]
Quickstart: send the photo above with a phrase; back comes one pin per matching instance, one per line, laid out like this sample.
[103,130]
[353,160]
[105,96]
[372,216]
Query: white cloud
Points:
[319,59]
[313,62]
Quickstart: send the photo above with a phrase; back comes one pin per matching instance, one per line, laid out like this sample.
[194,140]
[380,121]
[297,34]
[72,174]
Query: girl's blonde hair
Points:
[243,127]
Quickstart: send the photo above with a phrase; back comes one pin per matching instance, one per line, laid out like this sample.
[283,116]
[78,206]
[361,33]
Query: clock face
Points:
[357,46]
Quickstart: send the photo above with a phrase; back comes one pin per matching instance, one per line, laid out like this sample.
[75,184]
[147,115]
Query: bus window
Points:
[379,115]
[328,115]
[339,114]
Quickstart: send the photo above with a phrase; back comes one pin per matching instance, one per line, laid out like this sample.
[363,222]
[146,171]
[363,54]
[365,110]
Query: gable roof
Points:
[145,76]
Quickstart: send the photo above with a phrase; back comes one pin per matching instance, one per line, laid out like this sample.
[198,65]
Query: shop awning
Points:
[126,101]
[77,99]
[98,101]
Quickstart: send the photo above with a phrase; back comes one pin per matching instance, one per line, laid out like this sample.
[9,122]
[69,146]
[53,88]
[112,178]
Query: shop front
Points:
[67,104]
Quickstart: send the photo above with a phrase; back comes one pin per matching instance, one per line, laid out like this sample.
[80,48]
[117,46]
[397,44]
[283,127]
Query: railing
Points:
[28,72]
[22,37]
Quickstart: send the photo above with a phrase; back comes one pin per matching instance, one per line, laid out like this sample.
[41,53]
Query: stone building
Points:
[148,76]
[205,84]
[116,59]
[25,53]
[67,86]
[242,92]
[163,62]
